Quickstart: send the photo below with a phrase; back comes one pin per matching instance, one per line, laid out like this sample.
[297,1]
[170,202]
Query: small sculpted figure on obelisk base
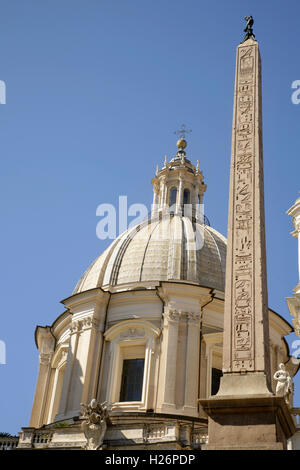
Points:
[243,413]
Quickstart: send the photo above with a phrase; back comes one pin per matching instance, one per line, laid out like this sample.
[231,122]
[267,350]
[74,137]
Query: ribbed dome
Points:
[161,250]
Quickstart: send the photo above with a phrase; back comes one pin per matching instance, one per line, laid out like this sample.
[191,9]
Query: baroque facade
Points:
[138,356]
[142,333]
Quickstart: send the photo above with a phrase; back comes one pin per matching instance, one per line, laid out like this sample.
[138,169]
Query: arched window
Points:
[186,196]
[128,366]
[173,196]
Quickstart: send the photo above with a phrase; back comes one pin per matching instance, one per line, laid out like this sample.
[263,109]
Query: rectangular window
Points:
[132,380]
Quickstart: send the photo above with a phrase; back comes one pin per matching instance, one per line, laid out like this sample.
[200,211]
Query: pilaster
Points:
[46,345]
[171,324]
[192,361]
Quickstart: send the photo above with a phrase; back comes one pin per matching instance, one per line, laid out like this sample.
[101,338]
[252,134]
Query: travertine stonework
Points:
[245,414]
[156,295]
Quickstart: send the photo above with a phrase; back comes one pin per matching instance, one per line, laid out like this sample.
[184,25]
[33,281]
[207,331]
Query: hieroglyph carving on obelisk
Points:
[246,340]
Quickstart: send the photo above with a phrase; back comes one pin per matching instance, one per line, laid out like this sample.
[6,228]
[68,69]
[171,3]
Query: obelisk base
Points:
[260,422]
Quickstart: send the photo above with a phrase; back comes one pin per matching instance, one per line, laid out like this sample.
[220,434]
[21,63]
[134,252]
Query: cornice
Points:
[87,297]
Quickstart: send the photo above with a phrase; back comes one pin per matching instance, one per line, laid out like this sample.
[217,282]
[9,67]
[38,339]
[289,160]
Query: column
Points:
[162,193]
[180,195]
[196,199]
[155,201]
[165,202]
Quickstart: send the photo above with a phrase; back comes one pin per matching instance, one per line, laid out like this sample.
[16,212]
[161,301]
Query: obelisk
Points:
[246,329]
[244,413]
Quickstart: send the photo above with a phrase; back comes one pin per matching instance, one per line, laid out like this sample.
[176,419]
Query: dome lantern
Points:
[179,185]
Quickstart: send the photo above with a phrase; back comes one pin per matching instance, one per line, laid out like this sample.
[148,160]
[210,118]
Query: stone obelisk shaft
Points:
[246,326]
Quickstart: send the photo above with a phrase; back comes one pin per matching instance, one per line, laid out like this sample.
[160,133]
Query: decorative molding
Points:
[45,358]
[133,333]
[177,315]
[131,329]
[76,444]
[75,327]
[172,315]
[193,317]
[83,324]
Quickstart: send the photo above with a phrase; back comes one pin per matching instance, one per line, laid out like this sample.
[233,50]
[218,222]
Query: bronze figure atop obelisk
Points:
[249,28]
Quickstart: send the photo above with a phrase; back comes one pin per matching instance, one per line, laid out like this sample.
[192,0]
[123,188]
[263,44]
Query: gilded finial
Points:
[197,167]
[181,143]
[166,160]
[156,173]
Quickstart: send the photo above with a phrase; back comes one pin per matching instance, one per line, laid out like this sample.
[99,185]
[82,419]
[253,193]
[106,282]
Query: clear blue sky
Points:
[95,89]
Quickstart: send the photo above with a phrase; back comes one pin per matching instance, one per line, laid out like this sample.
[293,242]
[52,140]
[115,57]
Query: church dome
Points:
[171,248]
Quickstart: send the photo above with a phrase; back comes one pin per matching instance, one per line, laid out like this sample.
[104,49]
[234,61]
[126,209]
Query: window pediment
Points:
[131,330]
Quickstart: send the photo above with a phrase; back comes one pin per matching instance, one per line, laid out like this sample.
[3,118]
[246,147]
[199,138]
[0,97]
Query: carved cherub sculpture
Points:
[284,386]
